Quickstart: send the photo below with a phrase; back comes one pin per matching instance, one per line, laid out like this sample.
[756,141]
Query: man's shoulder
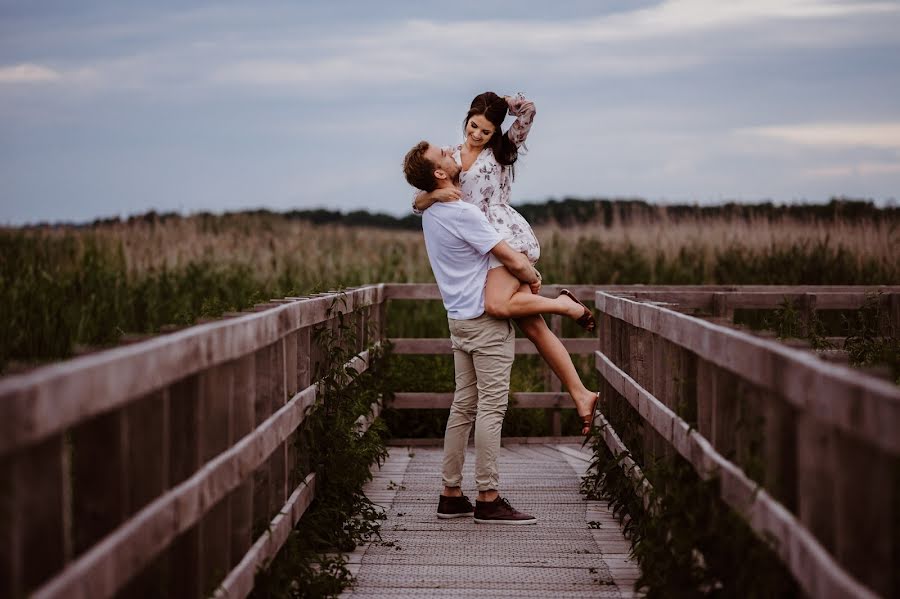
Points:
[451,209]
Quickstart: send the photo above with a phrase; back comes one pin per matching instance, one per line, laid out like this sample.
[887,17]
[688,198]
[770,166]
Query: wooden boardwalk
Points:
[575,550]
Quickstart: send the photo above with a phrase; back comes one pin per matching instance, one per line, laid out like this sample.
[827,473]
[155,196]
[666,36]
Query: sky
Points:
[117,108]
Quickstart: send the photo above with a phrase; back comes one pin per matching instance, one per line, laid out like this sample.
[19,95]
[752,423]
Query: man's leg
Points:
[462,415]
[493,353]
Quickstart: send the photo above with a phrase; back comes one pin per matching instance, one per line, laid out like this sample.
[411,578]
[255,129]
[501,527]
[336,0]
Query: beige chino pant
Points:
[483,353]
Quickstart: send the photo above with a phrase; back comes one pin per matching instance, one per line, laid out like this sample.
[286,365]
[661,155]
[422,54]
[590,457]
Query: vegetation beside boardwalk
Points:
[69,287]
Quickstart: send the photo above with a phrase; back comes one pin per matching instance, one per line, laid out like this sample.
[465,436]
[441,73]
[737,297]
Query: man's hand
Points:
[446,194]
[536,286]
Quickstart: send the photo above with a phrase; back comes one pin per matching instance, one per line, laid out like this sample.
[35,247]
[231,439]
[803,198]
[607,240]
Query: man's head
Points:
[428,167]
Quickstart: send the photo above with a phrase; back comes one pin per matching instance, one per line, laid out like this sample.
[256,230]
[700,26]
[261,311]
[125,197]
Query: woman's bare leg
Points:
[559,360]
[506,297]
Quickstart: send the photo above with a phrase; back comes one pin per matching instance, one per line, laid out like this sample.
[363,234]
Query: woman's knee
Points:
[496,307]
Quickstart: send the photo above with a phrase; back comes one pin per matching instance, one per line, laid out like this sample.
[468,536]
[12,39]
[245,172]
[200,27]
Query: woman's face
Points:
[479,131]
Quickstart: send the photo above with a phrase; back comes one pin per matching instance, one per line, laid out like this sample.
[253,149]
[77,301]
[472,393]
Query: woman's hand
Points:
[446,194]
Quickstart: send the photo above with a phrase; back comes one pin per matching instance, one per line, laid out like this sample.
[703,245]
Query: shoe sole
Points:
[510,522]
[449,516]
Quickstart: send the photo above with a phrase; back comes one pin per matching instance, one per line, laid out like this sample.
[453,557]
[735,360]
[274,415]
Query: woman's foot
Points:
[579,312]
[586,407]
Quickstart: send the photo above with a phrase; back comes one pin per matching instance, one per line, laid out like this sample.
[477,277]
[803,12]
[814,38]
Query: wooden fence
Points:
[158,461]
[808,452]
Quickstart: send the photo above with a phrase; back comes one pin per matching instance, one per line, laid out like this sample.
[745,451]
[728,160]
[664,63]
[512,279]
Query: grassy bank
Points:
[67,287]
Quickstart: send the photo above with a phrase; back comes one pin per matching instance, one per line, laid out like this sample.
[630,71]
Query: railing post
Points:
[185,554]
[148,464]
[242,423]
[862,542]
[216,389]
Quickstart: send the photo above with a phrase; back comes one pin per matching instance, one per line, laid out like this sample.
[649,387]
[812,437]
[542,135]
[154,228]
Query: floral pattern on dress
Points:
[487,185]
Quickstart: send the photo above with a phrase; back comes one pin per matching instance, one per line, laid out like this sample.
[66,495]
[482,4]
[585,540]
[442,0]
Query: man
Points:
[459,240]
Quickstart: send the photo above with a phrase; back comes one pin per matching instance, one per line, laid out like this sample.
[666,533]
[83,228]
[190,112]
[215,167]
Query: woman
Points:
[487,157]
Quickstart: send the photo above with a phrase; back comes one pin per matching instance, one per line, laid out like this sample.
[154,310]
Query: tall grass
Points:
[64,287]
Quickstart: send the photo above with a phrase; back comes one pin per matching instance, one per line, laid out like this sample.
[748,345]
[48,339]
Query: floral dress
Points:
[487,185]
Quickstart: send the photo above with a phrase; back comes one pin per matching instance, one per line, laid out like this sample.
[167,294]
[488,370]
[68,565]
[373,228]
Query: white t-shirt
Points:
[459,239]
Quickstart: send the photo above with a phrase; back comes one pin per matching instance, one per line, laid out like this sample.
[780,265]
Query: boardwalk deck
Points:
[576,549]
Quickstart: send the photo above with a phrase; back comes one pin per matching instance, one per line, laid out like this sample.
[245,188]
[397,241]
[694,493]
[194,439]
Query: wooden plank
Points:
[184,460]
[33,531]
[215,436]
[100,478]
[865,509]
[780,450]
[860,405]
[148,472]
[239,581]
[818,573]
[50,399]
[108,565]
[243,419]
[278,492]
[262,485]
[442,401]
[816,478]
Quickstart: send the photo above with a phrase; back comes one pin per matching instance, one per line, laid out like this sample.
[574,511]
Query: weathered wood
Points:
[262,476]
[859,405]
[100,477]
[239,582]
[815,478]
[278,492]
[815,569]
[442,401]
[865,508]
[215,435]
[780,450]
[32,516]
[148,467]
[109,564]
[184,460]
[243,419]
[51,399]
[807,306]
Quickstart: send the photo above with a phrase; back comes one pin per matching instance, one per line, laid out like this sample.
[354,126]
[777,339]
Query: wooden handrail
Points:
[830,433]
[50,399]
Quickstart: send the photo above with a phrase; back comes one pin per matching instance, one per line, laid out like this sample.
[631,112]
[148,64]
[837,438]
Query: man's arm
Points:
[516,262]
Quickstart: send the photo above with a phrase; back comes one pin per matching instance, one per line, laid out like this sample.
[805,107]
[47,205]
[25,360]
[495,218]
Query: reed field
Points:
[67,288]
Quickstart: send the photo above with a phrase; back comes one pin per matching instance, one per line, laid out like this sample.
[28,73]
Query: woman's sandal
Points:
[587,422]
[586,320]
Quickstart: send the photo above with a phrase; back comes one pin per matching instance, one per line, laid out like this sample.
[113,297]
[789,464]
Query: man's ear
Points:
[440,174]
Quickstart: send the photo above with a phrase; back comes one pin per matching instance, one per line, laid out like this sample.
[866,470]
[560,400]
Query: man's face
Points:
[443,161]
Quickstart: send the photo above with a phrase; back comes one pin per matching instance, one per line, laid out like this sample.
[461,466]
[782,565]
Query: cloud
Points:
[863,169]
[27,73]
[883,135]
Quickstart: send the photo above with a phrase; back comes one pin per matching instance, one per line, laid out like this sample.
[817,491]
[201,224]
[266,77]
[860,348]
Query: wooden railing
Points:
[827,491]
[165,455]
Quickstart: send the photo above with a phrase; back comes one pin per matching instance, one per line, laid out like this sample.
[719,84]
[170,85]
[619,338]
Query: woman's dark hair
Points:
[493,108]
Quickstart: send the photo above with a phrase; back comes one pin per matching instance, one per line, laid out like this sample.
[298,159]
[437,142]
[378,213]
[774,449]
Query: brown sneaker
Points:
[454,507]
[500,512]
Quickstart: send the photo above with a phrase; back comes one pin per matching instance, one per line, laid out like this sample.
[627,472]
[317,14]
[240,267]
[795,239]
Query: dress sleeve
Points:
[524,111]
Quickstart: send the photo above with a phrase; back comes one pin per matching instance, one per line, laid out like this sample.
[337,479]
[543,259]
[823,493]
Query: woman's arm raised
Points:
[523,109]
